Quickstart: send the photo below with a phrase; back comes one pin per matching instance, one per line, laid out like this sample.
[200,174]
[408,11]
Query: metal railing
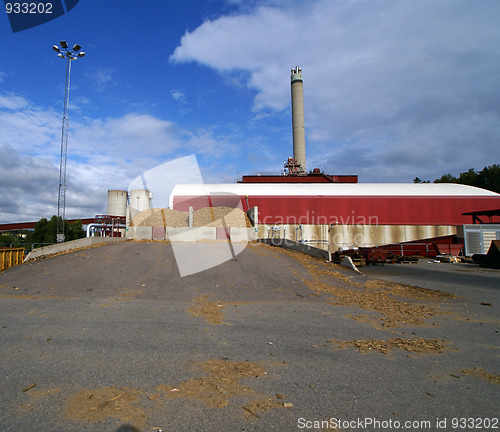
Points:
[27,246]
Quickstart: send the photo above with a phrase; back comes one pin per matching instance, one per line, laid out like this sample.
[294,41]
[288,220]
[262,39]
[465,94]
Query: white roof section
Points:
[331,189]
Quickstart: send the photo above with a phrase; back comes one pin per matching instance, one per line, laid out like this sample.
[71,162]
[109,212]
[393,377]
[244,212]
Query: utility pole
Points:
[69,55]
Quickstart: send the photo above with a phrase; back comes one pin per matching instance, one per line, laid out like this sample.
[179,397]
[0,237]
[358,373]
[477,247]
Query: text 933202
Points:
[28,8]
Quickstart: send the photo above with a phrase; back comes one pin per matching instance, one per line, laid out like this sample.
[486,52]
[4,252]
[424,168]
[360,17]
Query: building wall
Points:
[336,237]
[343,204]
[353,210]
[346,215]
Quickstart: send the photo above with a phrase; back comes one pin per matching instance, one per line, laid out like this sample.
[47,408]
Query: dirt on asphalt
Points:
[396,304]
[123,275]
[209,310]
[415,345]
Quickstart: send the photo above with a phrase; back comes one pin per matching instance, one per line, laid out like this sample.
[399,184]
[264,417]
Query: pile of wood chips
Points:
[161,218]
[220,217]
[208,216]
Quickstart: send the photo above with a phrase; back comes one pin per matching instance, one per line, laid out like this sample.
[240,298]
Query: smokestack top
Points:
[296,74]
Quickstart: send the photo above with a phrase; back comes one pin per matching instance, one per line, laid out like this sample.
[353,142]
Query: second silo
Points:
[117,203]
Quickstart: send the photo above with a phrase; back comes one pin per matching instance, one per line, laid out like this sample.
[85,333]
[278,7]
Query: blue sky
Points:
[392,90]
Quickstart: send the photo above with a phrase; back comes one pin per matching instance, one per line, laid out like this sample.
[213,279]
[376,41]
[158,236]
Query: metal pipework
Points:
[91,228]
[299,139]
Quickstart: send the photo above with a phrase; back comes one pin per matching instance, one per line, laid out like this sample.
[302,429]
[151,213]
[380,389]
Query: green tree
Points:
[469,178]
[46,231]
[419,180]
[488,178]
[446,178]
[39,234]
[74,230]
[7,238]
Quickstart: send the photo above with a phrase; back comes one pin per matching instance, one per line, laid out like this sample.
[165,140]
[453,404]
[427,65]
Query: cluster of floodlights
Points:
[70,54]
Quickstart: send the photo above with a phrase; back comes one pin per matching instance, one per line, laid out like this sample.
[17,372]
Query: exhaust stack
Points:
[299,140]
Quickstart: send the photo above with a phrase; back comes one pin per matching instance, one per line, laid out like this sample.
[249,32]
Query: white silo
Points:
[299,139]
[117,203]
[140,199]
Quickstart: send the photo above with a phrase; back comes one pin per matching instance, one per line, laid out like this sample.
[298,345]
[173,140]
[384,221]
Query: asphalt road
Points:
[113,339]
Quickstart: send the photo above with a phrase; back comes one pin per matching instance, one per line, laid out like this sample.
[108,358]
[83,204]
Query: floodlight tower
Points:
[69,55]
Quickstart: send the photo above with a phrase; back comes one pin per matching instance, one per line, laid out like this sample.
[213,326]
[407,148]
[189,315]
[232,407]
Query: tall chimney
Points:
[299,139]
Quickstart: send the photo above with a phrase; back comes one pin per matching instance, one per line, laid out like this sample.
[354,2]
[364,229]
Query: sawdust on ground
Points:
[96,405]
[256,407]
[415,345]
[481,373]
[209,310]
[221,384]
[37,396]
[386,298]
[125,294]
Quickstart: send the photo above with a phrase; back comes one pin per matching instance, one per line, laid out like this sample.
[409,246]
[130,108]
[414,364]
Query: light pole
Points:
[69,55]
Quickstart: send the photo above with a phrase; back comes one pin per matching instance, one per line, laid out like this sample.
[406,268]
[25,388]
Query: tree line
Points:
[488,178]
[45,232]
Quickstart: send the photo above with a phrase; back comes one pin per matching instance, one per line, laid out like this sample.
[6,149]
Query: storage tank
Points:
[117,203]
[140,199]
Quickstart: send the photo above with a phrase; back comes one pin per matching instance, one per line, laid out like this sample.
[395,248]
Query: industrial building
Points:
[347,215]
[329,211]
[335,211]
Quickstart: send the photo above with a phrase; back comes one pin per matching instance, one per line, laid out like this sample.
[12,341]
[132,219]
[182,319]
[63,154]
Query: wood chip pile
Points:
[218,216]
[208,216]
[161,218]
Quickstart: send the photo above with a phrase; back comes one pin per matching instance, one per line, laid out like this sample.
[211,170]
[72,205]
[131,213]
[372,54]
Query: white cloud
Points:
[101,78]
[26,184]
[378,75]
[102,154]
[12,102]
[178,95]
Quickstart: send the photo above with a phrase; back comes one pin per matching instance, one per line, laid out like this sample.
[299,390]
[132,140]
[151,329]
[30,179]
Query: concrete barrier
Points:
[140,233]
[300,247]
[191,234]
[71,245]
[242,234]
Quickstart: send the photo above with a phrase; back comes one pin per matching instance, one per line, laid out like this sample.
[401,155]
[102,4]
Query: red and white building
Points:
[346,214]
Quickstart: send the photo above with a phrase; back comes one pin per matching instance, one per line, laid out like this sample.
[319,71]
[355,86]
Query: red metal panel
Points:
[310,178]
[360,210]
[158,233]
[182,203]
[222,233]
[450,249]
